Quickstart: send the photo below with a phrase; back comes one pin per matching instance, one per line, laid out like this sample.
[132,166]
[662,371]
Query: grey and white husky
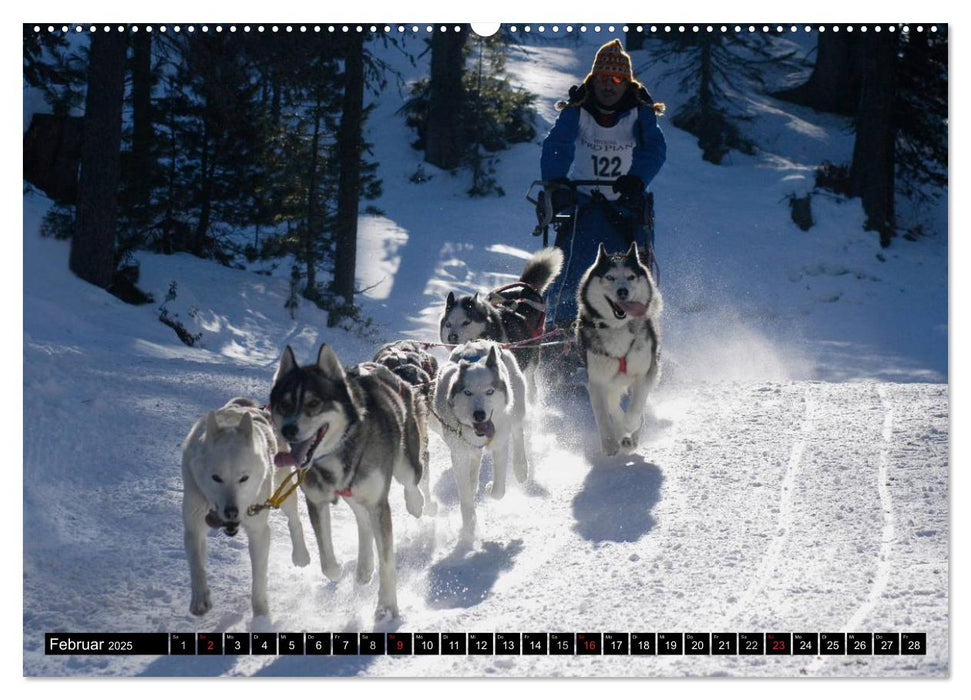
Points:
[480,400]
[618,333]
[507,315]
[227,466]
[352,431]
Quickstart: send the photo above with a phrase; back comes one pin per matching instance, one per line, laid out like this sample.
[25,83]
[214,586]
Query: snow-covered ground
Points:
[796,478]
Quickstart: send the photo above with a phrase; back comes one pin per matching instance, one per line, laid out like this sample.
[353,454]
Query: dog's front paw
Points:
[386,612]
[414,502]
[521,470]
[610,445]
[261,608]
[497,490]
[467,534]
[364,573]
[331,570]
[300,556]
[200,603]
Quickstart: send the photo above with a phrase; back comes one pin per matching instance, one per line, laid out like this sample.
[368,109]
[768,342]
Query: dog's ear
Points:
[246,426]
[601,254]
[450,301]
[632,251]
[329,364]
[457,381]
[212,427]
[492,361]
[287,363]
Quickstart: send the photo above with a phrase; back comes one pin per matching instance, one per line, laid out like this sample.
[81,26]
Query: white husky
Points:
[480,401]
[619,336]
[227,466]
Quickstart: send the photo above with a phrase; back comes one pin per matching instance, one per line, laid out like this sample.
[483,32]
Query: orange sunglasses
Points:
[615,79]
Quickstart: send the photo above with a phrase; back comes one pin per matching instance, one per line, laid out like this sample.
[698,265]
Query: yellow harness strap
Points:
[282,492]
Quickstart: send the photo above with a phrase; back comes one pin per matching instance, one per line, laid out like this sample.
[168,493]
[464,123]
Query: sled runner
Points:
[588,220]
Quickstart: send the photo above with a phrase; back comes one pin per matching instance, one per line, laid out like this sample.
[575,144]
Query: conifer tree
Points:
[715,69]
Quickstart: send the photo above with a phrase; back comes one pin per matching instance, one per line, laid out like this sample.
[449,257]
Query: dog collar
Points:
[623,364]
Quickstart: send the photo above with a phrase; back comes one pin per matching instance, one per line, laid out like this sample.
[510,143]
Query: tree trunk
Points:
[710,125]
[205,190]
[872,170]
[349,138]
[834,85]
[142,134]
[92,255]
[311,230]
[444,134]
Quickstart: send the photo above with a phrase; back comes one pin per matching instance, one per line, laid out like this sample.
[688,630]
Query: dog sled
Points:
[589,219]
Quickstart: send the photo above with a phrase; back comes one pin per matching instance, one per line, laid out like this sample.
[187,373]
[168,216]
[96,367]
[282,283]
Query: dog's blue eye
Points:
[609,278]
[465,323]
[490,392]
[630,278]
[217,479]
[244,479]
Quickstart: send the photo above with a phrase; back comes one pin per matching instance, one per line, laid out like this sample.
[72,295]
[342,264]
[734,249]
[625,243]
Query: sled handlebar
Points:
[548,185]
[543,200]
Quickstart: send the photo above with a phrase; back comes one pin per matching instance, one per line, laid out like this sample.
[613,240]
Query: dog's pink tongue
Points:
[633,308]
[295,457]
[284,459]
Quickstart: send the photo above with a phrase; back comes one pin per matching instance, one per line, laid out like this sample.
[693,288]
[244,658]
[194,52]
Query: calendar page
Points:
[449,350]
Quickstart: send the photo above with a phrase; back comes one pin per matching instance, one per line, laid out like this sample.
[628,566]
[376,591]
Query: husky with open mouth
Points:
[619,337]
[480,401]
[352,431]
[510,314]
[227,465]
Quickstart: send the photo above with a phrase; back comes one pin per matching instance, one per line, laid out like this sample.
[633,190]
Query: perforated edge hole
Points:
[524,28]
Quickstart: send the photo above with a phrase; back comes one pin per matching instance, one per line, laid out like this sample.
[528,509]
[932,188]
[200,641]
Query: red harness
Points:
[536,304]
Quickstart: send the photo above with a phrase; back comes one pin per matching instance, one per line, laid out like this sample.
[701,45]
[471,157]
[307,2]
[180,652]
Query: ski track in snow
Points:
[784,525]
[855,623]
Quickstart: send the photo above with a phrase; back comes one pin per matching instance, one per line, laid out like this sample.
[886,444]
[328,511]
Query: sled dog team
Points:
[347,431]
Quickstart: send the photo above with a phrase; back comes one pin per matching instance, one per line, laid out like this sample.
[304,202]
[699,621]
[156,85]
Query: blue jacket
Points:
[650,150]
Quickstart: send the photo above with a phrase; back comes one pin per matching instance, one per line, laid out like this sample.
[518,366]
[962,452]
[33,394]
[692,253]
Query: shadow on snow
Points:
[464,578]
[615,502]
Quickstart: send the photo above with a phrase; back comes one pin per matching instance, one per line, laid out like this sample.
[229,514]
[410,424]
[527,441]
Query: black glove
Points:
[629,186]
[562,198]
[631,189]
[577,93]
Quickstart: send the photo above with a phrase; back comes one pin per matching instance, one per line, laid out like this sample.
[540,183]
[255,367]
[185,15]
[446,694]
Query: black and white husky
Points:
[480,400]
[352,431]
[618,334]
[506,315]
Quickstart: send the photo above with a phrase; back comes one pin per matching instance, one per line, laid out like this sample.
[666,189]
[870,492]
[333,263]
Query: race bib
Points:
[603,153]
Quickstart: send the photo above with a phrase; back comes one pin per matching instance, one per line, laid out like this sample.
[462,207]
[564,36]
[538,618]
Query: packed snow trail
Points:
[754,507]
